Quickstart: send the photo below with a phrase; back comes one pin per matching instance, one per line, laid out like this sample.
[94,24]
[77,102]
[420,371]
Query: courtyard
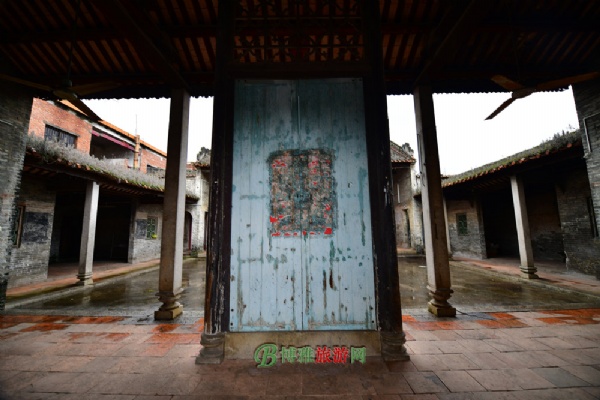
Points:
[511,339]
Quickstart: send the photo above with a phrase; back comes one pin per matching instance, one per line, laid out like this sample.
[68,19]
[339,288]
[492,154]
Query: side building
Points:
[66,155]
[549,186]
[407,209]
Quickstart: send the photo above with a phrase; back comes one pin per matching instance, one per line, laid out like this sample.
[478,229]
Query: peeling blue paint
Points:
[307,281]
[362,181]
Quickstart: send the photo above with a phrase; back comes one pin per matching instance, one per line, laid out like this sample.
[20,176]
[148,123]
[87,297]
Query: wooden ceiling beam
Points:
[97,34]
[540,26]
[136,28]
[62,35]
[453,35]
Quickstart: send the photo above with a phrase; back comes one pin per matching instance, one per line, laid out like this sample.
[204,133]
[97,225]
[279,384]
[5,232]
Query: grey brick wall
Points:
[544,223]
[587,102]
[144,249]
[15,109]
[403,207]
[417,227]
[407,209]
[197,183]
[29,261]
[472,244]
[582,249]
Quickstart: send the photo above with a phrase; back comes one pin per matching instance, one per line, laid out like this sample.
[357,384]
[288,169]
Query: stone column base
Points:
[85,279]
[166,315]
[441,310]
[213,348]
[171,307]
[438,305]
[528,273]
[392,346]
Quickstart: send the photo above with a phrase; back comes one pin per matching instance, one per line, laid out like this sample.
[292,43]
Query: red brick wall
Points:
[43,113]
[152,158]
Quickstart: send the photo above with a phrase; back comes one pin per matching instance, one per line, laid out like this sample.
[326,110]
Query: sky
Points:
[465,139]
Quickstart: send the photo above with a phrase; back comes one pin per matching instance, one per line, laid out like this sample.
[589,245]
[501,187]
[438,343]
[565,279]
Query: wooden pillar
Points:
[389,307]
[216,304]
[171,248]
[88,234]
[436,245]
[528,269]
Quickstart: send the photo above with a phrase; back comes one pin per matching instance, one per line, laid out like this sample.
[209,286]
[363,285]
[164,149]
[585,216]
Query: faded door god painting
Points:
[301,256]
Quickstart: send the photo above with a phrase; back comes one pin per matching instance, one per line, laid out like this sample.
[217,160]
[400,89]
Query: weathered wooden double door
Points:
[301,248]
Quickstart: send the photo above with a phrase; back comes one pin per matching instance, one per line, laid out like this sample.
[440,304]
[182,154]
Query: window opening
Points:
[151,225]
[461,224]
[53,134]
[150,169]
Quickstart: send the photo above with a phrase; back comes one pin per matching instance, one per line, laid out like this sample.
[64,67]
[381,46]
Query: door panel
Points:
[265,275]
[339,267]
[301,242]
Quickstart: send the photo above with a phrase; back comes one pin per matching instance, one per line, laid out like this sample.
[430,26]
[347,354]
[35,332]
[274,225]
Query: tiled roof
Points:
[41,154]
[401,154]
[558,144]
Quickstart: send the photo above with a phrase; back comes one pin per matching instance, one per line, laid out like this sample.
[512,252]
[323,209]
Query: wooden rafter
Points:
[137,28]
[453,37]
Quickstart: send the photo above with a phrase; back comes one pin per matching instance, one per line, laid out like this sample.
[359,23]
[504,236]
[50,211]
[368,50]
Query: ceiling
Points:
[136,48]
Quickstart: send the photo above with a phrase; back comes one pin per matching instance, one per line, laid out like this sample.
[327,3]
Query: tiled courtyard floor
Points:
[516,355]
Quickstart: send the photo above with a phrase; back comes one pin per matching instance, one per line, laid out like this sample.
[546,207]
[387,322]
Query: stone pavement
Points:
[508,352]
[550,273]
[517,355]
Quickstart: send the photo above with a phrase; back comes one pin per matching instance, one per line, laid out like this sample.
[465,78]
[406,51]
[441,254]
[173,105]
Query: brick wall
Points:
[143,249]
[15,108]
[153,158]
[416,232]
[583,251]
[544,223]
[407,209]
[402,206]
[197,183]
[44,113]
[587,102]
[471,244]
[30,260]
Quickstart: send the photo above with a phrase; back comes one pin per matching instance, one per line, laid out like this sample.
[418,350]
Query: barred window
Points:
[150,169]
[461,224]
[151,228]
[57,135]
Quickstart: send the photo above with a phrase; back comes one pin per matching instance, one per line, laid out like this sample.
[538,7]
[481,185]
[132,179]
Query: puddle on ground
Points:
[474,291]
[136,292]
[483,291]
